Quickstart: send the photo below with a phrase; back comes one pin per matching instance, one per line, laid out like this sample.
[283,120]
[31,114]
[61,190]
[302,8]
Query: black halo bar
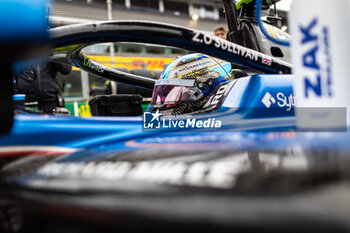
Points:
[155,33]
[85,63]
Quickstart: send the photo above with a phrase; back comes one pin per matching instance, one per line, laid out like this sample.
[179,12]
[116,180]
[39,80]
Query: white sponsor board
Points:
[320,50]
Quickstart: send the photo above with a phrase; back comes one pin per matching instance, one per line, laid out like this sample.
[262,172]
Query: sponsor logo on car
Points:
[96,67]
[276,33]
[281,100]
[268,100]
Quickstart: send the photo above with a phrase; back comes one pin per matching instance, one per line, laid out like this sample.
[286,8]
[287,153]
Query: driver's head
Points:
[220,31]
[189,84]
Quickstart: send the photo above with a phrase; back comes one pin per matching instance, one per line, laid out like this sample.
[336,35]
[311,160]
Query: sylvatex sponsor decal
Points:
[316,59]
[281,100]
[155,120]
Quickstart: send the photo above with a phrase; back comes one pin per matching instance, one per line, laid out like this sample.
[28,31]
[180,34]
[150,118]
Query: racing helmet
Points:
[189,83]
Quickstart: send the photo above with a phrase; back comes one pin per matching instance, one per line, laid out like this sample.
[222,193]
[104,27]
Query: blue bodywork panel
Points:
[24,20]
[245,118]
[248,124]
[239,112]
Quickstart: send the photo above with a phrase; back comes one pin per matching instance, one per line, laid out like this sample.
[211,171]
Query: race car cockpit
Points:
[251,53]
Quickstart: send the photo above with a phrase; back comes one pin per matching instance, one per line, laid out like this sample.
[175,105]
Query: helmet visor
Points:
[171,91]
